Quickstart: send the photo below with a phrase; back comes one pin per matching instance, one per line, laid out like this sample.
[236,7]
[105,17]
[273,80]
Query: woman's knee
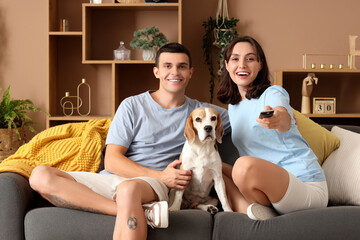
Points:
[244,170]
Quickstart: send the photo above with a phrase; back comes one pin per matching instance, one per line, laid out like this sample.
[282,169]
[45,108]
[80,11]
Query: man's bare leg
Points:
[62,190]
[130,219]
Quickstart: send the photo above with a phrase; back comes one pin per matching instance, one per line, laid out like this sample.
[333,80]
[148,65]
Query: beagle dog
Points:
[200,155]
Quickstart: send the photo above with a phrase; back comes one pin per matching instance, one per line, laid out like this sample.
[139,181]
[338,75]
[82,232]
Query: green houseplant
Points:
[148,39]
[218,34]
[13,113]
[13,121]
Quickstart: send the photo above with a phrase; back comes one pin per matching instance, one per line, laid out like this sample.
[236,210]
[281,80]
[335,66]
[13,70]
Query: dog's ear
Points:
[189,130]
[219,129]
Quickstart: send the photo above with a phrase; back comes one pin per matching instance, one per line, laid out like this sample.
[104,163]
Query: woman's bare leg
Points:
[236,200]
[259,180]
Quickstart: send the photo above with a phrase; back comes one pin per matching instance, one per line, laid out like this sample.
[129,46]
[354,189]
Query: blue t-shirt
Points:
[154,135]
[288,150]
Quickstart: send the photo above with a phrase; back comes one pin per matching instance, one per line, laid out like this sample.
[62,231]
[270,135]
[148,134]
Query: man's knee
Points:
[40,178]
[128,192]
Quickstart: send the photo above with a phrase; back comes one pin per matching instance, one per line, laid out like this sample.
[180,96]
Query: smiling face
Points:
[174,72]
[243,66]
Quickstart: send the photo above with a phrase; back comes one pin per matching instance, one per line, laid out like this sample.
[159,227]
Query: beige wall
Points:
[286,30]
[23,52]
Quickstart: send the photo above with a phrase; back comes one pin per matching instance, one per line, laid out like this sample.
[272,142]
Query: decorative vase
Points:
[149,54]
[9,142]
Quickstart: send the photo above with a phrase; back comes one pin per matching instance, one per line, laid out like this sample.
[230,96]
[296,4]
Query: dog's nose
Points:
[208,128]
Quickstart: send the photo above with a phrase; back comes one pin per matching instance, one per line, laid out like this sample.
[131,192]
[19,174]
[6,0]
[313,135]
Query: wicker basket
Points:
[130,1]
[9,142]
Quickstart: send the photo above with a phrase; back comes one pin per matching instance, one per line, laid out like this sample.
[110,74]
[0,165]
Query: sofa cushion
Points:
[320,140]
[342,169]
[325,223]
[61,223]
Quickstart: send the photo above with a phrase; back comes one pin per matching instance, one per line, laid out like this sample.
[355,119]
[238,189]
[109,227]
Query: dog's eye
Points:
[198,119]
[213,118]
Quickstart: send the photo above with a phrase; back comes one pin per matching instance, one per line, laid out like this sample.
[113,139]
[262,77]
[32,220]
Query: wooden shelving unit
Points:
[342,84]
[86,51]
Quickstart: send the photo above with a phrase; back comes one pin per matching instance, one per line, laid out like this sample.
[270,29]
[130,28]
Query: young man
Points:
[144,141]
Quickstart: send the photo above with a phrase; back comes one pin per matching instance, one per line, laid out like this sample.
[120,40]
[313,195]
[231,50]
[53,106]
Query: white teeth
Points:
[242,74]
[173,80]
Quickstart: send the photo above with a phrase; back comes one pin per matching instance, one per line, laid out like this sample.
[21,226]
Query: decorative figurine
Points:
[307,87]
[66,104]
[352,51]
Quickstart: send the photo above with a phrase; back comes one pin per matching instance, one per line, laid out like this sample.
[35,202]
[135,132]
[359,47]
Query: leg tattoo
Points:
[65,204]
[132,223]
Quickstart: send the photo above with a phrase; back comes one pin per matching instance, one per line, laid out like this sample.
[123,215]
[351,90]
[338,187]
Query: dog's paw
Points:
[212,209]
[172,208]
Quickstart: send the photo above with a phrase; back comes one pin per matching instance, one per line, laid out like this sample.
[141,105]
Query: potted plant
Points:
[13,122]
[149,39]
[219,33]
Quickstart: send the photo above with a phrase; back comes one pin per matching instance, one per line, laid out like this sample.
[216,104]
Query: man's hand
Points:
[281,120]
[175,178]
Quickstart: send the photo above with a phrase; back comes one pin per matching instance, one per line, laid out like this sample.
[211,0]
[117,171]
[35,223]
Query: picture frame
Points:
[324,105]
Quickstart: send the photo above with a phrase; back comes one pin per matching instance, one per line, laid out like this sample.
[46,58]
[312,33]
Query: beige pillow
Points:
[342,169]
[320,140]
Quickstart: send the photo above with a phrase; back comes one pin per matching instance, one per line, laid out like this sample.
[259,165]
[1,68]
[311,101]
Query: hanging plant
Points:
[224,34]
[219,32]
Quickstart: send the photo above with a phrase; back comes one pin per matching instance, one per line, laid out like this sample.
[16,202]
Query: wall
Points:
[285,29]
[23,52]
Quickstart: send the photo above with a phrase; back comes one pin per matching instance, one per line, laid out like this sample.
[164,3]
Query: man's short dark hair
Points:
[172,48]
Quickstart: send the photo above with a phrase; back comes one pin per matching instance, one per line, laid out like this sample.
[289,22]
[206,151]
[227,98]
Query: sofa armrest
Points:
[352,128]
[15,200]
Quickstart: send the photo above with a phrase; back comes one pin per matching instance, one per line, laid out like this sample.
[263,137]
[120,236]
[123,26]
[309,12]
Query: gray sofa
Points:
[25,215]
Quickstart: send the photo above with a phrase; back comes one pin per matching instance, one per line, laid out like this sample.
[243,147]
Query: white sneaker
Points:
[157,214]
[257,211]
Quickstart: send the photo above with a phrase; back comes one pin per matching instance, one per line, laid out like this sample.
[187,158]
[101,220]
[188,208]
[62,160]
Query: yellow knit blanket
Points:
[68,147]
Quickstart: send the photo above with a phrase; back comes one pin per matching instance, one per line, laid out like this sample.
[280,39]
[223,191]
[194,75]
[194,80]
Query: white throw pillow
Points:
[342,169]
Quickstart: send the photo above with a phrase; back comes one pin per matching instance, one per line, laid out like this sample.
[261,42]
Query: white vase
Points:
[149,54]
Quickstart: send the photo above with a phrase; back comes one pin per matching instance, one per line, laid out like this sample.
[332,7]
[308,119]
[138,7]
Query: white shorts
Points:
[302,195]
[106,184]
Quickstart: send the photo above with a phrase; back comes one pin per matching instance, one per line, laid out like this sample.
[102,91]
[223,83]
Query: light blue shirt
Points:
[288,150]
[154,135]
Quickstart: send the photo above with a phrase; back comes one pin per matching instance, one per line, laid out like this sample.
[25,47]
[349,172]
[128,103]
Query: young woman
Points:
[276,172]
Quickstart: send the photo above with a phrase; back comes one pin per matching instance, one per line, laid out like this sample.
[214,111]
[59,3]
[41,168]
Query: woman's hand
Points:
[281,120]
